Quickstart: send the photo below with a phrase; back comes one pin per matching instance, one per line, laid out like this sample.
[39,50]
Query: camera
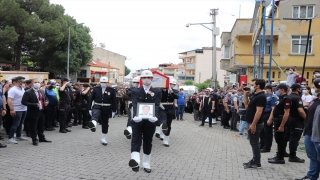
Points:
[246,89]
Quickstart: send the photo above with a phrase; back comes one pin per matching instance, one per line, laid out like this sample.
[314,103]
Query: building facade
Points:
[198,65]
[290,37]
[110,58]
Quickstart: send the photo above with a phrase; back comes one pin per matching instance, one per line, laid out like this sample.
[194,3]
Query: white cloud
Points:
[153,32]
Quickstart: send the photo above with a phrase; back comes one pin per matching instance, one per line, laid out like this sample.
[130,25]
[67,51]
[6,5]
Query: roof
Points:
[175,66]
[94,63]
[203,48]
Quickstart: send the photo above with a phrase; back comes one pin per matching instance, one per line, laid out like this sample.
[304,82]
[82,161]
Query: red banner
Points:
[242,79]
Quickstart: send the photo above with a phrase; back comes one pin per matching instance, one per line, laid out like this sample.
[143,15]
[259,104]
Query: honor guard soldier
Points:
[105,103]
[295,124]
[235,111]
[280,117]
[167,111]
[135,84]
[146,127]
[65,104]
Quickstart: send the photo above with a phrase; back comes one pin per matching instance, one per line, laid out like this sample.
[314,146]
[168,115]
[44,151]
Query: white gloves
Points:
[113,114]
[90,112]
[137,119]
[176,105]
[153,119]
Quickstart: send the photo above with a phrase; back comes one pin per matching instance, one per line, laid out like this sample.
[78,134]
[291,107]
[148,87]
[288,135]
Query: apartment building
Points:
[198,65]
[290,38]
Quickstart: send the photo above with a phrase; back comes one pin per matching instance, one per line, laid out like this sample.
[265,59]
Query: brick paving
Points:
[195,152]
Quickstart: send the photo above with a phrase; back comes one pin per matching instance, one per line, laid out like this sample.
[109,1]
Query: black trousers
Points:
[77,113]
[63,114]
[145,128]
[226,118]
[167,116]
[293,134]
[85,116]
[36,124]
[234,120]
[279,138]
[103,113]
[49,116]
[206,112]
[266,135]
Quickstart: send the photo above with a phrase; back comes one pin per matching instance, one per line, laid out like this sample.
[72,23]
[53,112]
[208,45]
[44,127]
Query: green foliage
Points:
[37,32]
[127,70]
[201,86]
[188,82]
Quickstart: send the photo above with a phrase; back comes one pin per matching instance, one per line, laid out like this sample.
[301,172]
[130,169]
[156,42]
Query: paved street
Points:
[194,153]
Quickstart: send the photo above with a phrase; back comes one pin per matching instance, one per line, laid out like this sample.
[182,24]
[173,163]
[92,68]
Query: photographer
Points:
[291,76]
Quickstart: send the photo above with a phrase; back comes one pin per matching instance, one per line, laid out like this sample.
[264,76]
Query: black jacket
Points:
[31,100]
[108,97]
[139,95]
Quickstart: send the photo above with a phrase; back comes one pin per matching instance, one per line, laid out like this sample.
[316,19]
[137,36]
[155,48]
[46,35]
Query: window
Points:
[226,52]
[303,12]
[266,47]
[298,44]
[307,75]
[273,74]
[267,75]
[279,75]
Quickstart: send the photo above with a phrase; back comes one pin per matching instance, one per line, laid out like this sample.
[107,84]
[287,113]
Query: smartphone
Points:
[246,89]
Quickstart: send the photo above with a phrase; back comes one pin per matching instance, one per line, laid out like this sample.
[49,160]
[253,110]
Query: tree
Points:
[188,82]
[41,35]
[201,86]
[127,70]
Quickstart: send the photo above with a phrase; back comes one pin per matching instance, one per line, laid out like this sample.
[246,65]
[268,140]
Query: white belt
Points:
[167,103]
[101,104]
[242,109]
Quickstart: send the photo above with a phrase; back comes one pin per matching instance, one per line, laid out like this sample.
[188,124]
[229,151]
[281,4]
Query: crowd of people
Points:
[34,106]
[269,112]
[283,112]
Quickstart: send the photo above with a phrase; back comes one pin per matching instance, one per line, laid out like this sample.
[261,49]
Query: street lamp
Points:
[215,32]
[69,49]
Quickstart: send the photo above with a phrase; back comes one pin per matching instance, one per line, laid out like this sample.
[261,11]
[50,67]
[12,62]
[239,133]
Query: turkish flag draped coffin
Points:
[159,80]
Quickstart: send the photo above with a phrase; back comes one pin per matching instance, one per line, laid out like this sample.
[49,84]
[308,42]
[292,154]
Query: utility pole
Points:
[214,13]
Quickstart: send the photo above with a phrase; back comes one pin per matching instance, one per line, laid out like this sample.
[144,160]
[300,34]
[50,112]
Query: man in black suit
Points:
[36,100]
[146,127]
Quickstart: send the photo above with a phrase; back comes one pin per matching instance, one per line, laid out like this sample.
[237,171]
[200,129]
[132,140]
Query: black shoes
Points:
[251,164]
[201,125]
[63,131]
[3,145]
[48,129]
[67,130]
[127,134]
[45,140]
[91,126]
[157,135]
[276,160]
[264,151]
[85,127]
[296,159]
[210,126]
[147,170]
[226,127]
[286,154]
[134,165]
[35,143]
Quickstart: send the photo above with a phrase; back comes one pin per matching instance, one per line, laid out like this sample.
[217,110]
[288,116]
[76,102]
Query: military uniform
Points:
[166,113]
[104,105]
[145,127]
[64,107]
[295,125]
[242,113]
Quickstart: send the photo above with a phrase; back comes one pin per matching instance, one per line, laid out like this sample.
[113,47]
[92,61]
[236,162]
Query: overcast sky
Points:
[150,32]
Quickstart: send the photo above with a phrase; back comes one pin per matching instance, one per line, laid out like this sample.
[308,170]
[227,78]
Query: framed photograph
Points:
[145,110]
